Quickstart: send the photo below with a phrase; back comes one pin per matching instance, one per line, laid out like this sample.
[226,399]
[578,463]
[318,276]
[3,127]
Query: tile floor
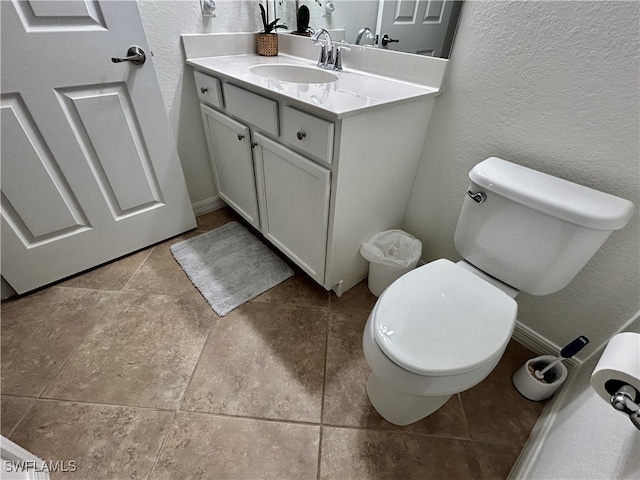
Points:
[128,372]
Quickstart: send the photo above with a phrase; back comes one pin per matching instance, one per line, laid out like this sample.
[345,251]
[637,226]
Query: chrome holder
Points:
[624,401]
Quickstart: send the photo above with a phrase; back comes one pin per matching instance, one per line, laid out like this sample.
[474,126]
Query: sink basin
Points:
[293,73]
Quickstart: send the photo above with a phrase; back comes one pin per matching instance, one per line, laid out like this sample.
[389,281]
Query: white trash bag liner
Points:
[394,248]
[391,254]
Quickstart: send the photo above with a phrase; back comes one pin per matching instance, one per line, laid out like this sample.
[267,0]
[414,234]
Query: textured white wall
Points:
[553,86]
[164,22]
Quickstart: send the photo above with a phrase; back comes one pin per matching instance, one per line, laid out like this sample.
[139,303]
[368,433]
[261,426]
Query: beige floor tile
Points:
[103,441]
[358,297]
[141,353]
[216,219]
[264,361]
[41,330]
[201,446]
[368,454]
[112,276]
[495,411]
[12,409]
[298,290]
[496,459]
[346,402]
[160,273]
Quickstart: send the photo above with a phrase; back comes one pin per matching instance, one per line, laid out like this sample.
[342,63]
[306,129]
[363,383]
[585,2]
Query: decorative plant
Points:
[269,27]
[303,19]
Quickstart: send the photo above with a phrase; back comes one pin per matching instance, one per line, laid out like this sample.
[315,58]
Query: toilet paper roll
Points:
[619,364]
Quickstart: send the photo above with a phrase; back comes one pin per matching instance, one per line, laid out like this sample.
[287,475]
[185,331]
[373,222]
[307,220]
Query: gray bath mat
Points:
[230,266]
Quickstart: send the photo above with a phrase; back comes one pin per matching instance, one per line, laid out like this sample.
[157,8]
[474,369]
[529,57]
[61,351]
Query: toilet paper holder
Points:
[616,377]
[624,400]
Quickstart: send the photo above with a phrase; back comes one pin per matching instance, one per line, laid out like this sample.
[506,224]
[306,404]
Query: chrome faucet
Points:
[362,32]
[330,57]
[326,51]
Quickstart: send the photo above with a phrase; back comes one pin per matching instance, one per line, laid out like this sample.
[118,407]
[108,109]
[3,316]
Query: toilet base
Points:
[400,408]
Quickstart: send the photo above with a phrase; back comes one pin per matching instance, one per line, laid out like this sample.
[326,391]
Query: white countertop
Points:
[353,92]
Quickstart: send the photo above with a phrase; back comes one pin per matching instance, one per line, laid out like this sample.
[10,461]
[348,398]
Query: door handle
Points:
[135,55]
[386,39]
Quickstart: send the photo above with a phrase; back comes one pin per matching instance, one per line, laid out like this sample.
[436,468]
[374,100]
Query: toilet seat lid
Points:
[441,319]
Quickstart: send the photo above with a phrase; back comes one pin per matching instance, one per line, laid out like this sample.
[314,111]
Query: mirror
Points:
[423,27]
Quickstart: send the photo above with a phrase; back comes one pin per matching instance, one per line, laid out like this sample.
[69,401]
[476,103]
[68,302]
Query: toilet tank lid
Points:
[551,195]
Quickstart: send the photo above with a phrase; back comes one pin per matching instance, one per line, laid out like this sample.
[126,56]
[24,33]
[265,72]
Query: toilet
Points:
[442,328]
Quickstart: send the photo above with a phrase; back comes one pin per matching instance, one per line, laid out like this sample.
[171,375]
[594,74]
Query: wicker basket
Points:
[267,44]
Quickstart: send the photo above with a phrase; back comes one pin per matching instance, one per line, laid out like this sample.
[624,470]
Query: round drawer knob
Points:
[240,136]
[204,90]
[301,135]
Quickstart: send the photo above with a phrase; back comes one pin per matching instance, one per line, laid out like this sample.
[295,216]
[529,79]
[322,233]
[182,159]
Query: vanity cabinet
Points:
[316,184]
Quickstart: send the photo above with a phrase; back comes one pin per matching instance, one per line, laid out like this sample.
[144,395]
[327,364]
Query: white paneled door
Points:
[90,170]
[415,26]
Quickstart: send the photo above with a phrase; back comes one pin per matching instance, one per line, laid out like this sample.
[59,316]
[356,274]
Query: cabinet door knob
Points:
[204,90]
[254,144]
[240,136]
[301,135]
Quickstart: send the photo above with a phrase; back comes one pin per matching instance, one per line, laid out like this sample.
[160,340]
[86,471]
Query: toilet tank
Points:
[533,231]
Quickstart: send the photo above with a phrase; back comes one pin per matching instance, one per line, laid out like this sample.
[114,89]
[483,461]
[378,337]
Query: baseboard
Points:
[208,205]
[539,344]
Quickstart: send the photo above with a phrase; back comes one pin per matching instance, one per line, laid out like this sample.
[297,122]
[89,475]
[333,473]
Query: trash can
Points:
[391,254]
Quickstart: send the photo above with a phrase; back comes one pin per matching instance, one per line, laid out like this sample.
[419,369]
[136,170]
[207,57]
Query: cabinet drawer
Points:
[308,133]
[255,109]
[209,90]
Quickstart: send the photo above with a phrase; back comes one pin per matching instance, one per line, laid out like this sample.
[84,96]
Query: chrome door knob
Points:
[386,39]
[135,55]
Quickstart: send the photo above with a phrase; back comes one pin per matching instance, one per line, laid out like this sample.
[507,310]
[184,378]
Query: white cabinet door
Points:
[230,148]
[294,204]
[90,170]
